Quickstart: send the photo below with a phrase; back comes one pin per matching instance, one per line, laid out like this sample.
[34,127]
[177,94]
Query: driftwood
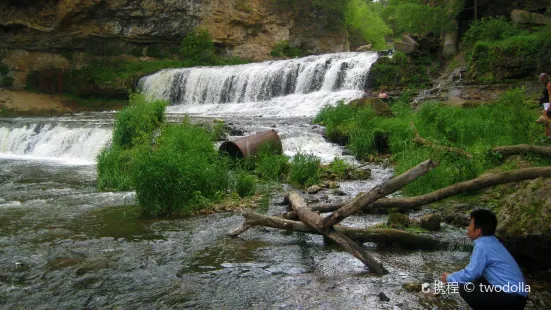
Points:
[420,140]
[361,235]
[376,193]
[486,180]
[311,218]
[522,149]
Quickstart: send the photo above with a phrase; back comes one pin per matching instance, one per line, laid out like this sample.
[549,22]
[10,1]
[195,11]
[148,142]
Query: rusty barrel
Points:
[250,145]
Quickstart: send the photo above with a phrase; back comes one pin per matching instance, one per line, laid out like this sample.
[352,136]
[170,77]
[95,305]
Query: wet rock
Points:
[331,184]
[324,197]
[412,287]
[398,220]
[313,189]
[430,222]
[524,224]
[383,297]
[339,192]
[236,132]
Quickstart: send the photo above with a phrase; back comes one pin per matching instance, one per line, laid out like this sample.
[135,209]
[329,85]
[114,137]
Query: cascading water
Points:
[73,141]
[285,88]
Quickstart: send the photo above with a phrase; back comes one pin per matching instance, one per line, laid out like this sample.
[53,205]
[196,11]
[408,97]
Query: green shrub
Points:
[245,184]
[136,123]
[339,167]
[283,49]
[489,29]
[198,47]
[336,119]
[114,168]
[362,18]
[183,174]
[418,18]
[304,170]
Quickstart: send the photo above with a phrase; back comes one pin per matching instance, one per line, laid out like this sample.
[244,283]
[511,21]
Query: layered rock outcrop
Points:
[244,28]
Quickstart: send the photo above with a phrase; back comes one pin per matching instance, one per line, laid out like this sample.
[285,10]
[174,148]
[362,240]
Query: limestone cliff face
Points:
[245,28]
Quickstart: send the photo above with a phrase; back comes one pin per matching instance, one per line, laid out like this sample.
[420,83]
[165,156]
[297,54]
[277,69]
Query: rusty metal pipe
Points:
[250,145]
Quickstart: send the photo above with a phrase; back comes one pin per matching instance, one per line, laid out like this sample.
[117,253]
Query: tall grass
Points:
[182,173]
[305,170]
[507,121]
[135,124]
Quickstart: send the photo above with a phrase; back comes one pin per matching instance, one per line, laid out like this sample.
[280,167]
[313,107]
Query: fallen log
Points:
[522,149]
[486,180]
[360,235]
[310,218]
[422,141]
[376,193]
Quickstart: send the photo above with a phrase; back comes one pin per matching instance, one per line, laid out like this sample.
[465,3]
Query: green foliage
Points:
[476,130]
[335,119]
[244,184]
[198,47]
[391,72]
[339,167]
[416,17]
[304,170]
[489,29]
[527,53]
[362,18]
[183,173]
[114,166]
[135,124]
[270,165]
[283,49]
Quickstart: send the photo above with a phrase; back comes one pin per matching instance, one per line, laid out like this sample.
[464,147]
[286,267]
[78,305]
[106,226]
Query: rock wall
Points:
[245,28]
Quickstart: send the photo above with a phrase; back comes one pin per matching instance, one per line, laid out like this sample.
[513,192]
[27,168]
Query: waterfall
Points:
[284,88]
[70,141]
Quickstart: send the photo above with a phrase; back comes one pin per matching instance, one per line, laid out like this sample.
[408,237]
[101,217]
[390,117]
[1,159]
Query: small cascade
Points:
[52,139]
[285,88]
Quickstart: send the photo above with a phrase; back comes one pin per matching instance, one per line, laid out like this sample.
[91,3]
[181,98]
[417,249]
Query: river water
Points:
[63,245]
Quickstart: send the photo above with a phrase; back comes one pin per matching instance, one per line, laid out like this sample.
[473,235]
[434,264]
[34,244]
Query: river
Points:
[63,245]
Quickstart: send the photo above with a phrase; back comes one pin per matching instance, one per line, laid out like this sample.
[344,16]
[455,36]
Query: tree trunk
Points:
[361,235]
[376,193]
[310,218]
[522,149]
[483,181]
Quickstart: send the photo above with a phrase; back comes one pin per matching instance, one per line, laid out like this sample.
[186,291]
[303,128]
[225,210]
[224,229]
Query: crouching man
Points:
[492,280]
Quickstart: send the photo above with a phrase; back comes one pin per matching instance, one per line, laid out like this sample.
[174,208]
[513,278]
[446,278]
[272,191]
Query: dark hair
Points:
[486,220]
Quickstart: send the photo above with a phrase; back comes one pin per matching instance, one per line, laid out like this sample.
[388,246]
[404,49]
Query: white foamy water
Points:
[286,88]
[49,140]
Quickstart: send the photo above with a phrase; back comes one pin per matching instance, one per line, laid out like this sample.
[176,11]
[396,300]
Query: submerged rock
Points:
[430,222]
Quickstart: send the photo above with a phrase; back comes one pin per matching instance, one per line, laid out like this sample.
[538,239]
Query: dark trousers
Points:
[484,300]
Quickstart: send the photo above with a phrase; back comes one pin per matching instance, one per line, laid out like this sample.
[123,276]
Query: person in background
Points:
[383,95]
[544,100]
[491,268]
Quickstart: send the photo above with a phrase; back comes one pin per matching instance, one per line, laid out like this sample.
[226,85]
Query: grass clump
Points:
[182,174]
[304,170]
[135,124]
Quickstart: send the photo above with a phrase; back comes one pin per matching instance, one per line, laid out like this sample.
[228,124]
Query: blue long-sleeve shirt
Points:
[491,260]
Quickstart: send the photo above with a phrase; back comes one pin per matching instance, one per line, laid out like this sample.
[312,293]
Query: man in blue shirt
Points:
[492,280]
